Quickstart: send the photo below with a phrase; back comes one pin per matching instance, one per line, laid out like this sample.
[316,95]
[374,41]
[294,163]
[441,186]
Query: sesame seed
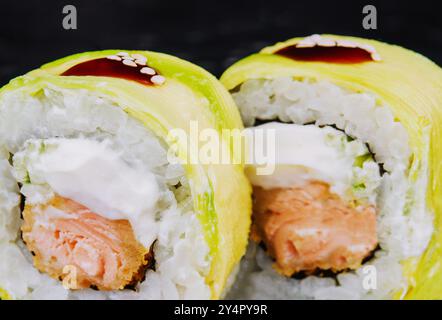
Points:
[158,79]
[323,42]
[116,58]
[139,56]
[346,44]
[305,44]
[314,37]
[147,70]
[376,57]
[368,48]
[123,54]
[129,63]
[140,62]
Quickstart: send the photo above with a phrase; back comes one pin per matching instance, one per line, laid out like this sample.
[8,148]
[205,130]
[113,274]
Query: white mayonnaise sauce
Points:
[301,153]
[92,174]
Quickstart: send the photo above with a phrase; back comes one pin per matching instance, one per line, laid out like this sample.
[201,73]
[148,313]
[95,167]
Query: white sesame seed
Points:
[140,62]
[147,70]
[129,63]
[324,42]
[158,79]
[139,56]
[368,48]
[314,37]
[123,54]
[305,44]
[346,44]
[116,58]
[376,57]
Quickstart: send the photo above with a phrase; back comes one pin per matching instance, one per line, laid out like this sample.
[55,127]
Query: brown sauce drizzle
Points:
[333,54]
[106,67]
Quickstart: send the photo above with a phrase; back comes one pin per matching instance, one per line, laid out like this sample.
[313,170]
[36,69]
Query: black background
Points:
[210,33]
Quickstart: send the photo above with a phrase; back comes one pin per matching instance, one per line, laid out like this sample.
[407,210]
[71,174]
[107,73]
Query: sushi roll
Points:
[352,207]
[97,198]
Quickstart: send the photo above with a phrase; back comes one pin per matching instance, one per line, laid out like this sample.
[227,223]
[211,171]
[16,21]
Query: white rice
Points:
[181,253]
[404,225]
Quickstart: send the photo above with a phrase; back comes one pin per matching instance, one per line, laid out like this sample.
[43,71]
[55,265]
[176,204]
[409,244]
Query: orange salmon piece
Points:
[104,253]
[309,228]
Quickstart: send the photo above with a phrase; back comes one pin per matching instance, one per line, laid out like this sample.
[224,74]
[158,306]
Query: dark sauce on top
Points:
[105,67]
[333,54]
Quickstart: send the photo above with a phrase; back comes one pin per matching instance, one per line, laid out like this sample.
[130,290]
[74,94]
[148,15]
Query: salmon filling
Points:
[308,228]
[103,253]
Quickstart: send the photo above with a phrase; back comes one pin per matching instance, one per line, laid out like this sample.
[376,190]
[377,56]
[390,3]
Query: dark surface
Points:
[211,33]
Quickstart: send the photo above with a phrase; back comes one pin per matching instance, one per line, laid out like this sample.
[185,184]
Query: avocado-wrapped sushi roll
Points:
[352,208]
[97,198]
